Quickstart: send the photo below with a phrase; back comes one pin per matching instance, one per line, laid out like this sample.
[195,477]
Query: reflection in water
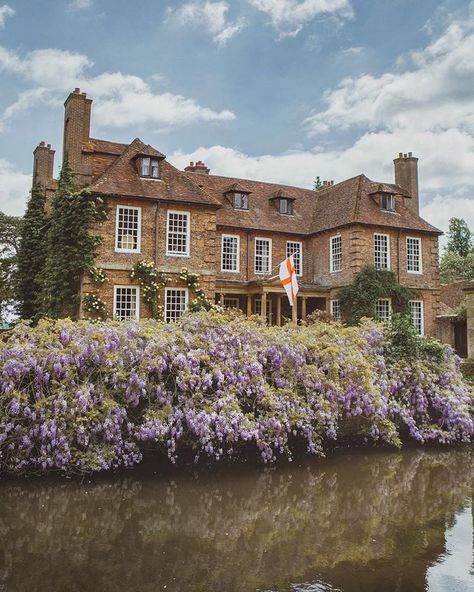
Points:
[356,522]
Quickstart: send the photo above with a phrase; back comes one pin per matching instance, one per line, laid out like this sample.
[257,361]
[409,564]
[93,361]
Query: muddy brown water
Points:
[362,521]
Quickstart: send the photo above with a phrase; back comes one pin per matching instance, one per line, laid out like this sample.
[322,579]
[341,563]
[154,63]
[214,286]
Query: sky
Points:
[276,90]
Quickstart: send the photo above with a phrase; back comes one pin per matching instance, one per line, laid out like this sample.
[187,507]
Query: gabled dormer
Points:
[238,196]
[385,197]
[148,163]
[283,203]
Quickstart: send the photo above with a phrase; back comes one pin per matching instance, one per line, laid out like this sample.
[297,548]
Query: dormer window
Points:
[150,167]
[241,201]
[387,202]
[286,206]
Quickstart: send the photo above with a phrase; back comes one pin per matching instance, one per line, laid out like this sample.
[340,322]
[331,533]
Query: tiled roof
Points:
[262,213]
[122,178]
[104,146]
[348,202]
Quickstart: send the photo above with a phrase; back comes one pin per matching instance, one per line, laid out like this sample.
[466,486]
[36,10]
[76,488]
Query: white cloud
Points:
[289,16]
[121,99]
[435,93]
[80,4]
[211,16]
[5,11]
[14,189]
[443,207]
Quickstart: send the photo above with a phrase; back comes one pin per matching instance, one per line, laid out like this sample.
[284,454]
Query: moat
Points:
[365,521]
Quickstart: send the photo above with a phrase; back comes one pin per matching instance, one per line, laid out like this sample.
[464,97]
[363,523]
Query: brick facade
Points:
[351,209]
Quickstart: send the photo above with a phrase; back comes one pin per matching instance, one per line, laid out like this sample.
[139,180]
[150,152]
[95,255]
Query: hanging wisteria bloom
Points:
[84,397]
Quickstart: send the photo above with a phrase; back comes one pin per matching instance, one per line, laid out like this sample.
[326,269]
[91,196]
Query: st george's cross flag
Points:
[288,278]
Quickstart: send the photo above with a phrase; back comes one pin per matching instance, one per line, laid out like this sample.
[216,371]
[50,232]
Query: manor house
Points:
[234,232]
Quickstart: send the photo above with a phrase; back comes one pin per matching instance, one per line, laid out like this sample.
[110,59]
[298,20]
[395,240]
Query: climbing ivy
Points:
[200,302]
[359,298]
[152,282]
[71,246]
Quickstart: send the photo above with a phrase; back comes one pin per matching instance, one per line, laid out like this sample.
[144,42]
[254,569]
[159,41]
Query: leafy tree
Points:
[453,267]
[459,238]
[71,247]
[317,184]
[359,298]
[10,229]
[32,254]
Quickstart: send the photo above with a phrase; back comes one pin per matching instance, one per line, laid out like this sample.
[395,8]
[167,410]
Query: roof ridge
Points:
[237,179]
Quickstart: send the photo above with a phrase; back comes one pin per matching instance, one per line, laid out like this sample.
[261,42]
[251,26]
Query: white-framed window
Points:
[176,302]
[295,248]
[150,167]
[126,303]
[387,202]
[263,255]
[414,258]
[230,253]
[336,310]
[383,309]
[258,308]
[335,253]
[128,229]
[241,201]
[178,233]
[382,251]
[231,302]
[417,315]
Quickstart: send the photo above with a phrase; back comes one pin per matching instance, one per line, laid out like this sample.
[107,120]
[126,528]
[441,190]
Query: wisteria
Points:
[84,397]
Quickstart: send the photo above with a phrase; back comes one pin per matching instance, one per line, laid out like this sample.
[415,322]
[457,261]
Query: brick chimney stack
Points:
[77,123]
[43,165]
[199,168]
[406,175]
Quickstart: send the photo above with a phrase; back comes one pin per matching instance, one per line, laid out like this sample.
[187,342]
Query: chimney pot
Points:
[77,90]
[41,144]
[409,155]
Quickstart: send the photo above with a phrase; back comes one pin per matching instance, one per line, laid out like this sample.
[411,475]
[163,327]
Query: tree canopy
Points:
[457,262]
[32,254]
[10,230]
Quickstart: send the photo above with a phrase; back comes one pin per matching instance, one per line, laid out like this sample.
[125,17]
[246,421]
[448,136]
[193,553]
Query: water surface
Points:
[378,521]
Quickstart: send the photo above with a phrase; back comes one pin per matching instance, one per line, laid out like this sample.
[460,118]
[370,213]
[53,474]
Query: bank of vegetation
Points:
[80,397]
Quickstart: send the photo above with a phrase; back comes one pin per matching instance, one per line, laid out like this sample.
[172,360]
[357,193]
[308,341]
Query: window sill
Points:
[128,251]
[415,272]
[335,270]
[230,270]
[182,255]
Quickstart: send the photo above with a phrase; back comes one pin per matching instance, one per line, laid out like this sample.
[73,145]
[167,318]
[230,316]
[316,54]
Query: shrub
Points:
[81,397]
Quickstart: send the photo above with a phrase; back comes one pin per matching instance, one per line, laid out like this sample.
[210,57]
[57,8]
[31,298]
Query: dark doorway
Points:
[460,339]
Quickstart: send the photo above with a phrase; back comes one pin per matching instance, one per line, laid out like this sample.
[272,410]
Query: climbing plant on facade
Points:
[200,301]
[152,281]
[71,248]
[360,297]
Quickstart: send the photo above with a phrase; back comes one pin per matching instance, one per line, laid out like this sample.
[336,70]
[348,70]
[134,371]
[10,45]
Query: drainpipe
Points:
[398,256]
[157,217]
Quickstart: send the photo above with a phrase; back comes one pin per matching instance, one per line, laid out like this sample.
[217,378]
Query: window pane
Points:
[241,201]
[231,302]
[336,310]
[262,255]
[178,226]
[381,251]
[175,304]
[295,248]
[414,255]
[230,253]
[155,168]
[126,303]
[145,167]
[382,309]
[416,314]
[336,253]
[128,220]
